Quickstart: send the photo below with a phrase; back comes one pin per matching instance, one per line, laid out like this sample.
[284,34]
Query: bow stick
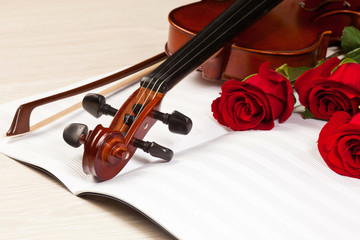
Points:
[21,120]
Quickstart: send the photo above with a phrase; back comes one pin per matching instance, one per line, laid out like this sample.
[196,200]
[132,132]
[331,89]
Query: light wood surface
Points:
[45,45]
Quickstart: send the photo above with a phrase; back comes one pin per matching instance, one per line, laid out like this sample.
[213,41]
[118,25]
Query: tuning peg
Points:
[95,104]
[129,119]
[177,122]
[74,134]
[154,149]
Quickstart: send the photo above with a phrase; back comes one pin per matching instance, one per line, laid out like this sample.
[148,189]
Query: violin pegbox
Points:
[107,150]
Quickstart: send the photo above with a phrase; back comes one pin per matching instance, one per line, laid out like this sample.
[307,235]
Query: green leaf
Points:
[350,39]
[294,73]
[248,77]
[283,70]
[345,60]
[291,73]
[354,54]
[308,114]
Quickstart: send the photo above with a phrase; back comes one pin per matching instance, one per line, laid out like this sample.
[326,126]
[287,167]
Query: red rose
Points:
[324,93]
[256,102]
[339,144]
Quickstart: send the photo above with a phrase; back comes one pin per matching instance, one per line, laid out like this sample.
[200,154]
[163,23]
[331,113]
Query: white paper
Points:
[220,184]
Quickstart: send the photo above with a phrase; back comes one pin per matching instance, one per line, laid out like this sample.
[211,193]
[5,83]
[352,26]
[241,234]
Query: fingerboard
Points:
[235,19]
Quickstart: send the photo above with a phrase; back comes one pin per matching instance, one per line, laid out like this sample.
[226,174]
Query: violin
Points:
[294,32]
[332,15]
[232,46]
[108,149]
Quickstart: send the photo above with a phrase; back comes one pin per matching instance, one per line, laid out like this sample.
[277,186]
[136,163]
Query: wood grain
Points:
[45,45]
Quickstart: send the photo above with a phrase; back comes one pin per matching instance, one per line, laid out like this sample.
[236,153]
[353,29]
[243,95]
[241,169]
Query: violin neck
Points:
[235,19]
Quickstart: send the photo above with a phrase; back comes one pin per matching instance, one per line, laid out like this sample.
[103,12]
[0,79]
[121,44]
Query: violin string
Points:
[219,36]
[191,50]
[195,55]
[188,52]
[202,50]
[156,77]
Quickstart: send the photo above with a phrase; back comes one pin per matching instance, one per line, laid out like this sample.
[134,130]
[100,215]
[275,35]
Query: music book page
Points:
[220,184]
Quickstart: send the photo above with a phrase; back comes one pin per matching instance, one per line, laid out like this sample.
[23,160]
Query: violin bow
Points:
[21,120]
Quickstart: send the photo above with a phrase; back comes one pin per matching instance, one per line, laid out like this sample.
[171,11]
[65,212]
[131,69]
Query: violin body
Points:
[332,14]
[108,149]
[292,33]
[222,38]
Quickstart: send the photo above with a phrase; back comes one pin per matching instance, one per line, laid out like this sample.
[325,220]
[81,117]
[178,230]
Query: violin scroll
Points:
[107,150]
[105,153]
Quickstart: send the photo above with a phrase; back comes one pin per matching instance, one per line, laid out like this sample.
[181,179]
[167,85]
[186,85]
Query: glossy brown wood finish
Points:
[342,17]
[332,15]
[288,34]
[105,146]
[105,153]
[323,6]
[106,150]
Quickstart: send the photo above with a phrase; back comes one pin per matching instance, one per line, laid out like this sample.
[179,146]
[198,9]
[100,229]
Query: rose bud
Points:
[256,102]
[325,93]
[339,144]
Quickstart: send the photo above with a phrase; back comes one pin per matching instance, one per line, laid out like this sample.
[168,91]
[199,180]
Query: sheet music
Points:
[220,184]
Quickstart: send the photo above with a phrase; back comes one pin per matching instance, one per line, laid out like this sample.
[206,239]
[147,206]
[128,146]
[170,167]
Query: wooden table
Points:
[48,44]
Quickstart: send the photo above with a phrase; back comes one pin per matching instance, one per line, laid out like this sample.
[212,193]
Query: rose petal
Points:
[330,128]
[304,84]
[215,108]
[327,97]
[347,74]
[231,86]
[355,119]
[254,103]
[322,71]
[339,143]
[256,109]
[277,89]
